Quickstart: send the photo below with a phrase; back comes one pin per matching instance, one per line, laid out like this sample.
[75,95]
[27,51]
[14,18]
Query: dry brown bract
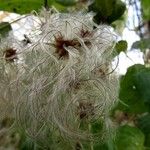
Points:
[10,55]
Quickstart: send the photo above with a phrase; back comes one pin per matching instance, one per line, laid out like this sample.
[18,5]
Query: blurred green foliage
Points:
[142,44]
[107,11]
[146,9]
[21,6]
[135,101]
[26,6]
[66,2]
[134,89]
[143,123]
[129,138]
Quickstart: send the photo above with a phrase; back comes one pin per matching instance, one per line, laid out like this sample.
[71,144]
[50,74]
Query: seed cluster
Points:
[67,83]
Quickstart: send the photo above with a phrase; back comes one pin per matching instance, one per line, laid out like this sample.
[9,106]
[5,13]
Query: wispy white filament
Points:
[67,81]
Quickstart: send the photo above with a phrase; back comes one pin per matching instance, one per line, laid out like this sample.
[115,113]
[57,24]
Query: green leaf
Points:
[129,138]
[119,24]
[142,44]
[142,79]
[105,6]
[66,2]
[146,9]
[118,11]
[121,46]
[107,11]
[143,123]
[5,27]
[22,6]
[134,90]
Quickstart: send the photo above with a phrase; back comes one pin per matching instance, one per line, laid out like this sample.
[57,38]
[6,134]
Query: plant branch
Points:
[46,4]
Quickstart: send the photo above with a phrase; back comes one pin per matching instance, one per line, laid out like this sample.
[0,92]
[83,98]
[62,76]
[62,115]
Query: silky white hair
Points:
[68,82]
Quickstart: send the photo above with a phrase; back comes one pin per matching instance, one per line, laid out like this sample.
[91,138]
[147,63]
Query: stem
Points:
[18,19]
[46,4]
[91,143]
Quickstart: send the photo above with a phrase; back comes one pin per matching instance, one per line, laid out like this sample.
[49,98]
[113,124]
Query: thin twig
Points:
[46,4]
[16,20]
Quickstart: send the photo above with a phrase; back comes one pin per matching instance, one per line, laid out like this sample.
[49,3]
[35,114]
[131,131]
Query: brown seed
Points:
[10,54]
[61,43]
[78,146]
[85,110]
[84,33]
